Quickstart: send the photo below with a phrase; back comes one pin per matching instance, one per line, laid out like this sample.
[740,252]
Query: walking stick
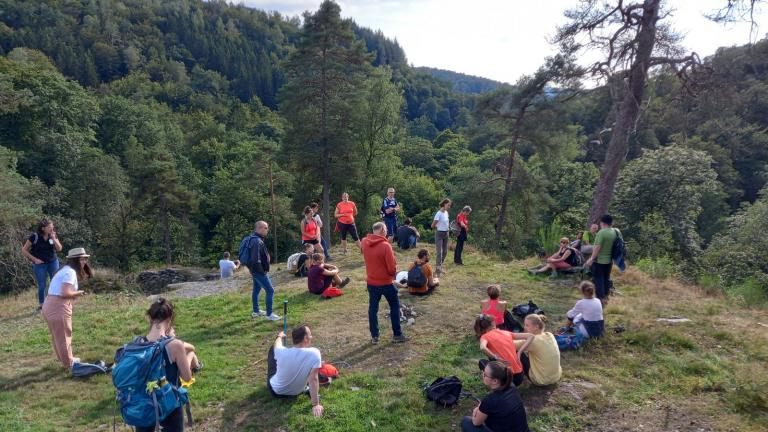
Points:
[285,320]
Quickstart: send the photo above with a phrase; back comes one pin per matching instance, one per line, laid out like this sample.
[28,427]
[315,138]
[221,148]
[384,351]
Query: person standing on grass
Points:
[441,223]
[179,358]
[227,267]
[289,370]
[502,410]
[259,267]
[310,231]
[345,213]
[380,271]
[41,248]
[57,308]
[389,209]
[323,241]
[462,220]
[600,262]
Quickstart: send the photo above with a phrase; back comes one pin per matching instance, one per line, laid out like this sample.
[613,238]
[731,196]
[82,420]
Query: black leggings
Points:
[173,423]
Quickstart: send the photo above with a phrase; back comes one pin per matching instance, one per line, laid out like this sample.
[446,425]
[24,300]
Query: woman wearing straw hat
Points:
[57,308]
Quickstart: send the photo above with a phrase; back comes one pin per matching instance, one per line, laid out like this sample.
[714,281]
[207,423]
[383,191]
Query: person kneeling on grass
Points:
[290,370]
[424,283]
[323,279]
[500,345]
[541,358]
[502,410]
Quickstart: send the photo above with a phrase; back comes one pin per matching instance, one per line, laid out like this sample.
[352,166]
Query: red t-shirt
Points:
[310,230]
[463,218]
[347,211]
[502,343]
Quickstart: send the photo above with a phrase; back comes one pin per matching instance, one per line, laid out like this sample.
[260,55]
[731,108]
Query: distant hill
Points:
[463,83]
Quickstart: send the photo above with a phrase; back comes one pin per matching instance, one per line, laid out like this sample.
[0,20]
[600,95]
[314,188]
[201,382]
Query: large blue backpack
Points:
[245,252]
[143,392]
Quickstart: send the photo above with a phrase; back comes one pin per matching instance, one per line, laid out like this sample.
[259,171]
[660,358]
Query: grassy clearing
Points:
[704,375]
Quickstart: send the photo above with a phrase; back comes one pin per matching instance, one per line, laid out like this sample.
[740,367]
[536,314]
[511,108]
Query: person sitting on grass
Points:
[180,359]
[305,260]
[290,370]
[407,235]
[498,309]
[500,345]
[587,313]
[563,259]
[541,358]
[323,279]
[429,282]
[502,410]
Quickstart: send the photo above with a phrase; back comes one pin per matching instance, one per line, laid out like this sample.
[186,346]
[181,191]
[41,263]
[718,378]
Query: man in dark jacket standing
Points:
[380,269]
[259,267]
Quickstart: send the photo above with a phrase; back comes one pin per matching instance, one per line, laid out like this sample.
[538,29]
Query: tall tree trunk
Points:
[327,197]
[627,113]
[165,220]
[509,171]
[274,212]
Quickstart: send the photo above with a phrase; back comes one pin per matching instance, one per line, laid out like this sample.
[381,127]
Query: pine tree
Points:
[320,96]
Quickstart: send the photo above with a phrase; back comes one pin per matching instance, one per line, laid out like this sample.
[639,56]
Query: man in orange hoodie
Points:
[380,269]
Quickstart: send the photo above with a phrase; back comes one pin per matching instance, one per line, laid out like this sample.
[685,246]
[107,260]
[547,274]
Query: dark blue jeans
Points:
[261,280]
[324,244]
[374,297]
[391,223]
[42,272]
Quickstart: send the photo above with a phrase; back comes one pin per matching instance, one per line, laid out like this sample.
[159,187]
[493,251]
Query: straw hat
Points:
[77,253]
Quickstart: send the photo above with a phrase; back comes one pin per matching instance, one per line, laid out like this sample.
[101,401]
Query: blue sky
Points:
[501,39]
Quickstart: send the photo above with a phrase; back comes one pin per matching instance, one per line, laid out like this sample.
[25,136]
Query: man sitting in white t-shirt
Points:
[228,267]
[289,370]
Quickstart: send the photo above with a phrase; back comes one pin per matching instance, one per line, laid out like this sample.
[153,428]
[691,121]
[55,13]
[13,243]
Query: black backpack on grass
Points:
[445,391]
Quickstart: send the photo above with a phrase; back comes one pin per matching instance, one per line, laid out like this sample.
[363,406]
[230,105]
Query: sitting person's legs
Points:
[468,426]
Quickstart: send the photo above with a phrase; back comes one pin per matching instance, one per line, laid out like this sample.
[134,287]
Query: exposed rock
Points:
[152,282]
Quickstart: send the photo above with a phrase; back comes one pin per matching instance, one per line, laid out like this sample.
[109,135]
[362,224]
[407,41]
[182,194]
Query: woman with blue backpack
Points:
[153,400]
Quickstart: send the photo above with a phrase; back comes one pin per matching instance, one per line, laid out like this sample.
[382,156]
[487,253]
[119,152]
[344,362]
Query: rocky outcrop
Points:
[154,282]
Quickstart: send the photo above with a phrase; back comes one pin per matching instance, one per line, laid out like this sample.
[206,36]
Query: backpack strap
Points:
[37,237]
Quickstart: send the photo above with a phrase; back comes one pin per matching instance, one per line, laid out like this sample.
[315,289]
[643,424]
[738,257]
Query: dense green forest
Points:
[463,83]
[159,131]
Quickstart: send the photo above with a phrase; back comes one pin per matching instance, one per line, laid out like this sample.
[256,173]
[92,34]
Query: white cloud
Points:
[500,39]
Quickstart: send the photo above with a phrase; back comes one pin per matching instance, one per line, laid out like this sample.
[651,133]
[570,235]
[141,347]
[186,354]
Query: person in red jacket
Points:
[380,270]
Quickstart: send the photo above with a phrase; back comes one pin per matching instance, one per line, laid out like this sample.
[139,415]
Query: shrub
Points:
[657,268]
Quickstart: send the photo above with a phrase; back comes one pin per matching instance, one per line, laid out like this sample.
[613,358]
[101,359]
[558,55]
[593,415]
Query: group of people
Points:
[512,356]
[600,261]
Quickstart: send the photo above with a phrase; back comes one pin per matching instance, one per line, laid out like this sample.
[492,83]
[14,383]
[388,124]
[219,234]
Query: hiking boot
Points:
[258,314]
[198,368]
[344,282]
[375,340]
[274,317]
[39,308]
[400,339]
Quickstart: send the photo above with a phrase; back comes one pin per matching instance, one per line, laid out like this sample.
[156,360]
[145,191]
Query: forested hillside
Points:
[158,131]
[463,83]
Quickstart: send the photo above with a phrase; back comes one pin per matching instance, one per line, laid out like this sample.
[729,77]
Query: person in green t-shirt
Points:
[600,261]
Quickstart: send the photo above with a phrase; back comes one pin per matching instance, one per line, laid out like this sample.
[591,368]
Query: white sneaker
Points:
[258,314]
[274,317]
